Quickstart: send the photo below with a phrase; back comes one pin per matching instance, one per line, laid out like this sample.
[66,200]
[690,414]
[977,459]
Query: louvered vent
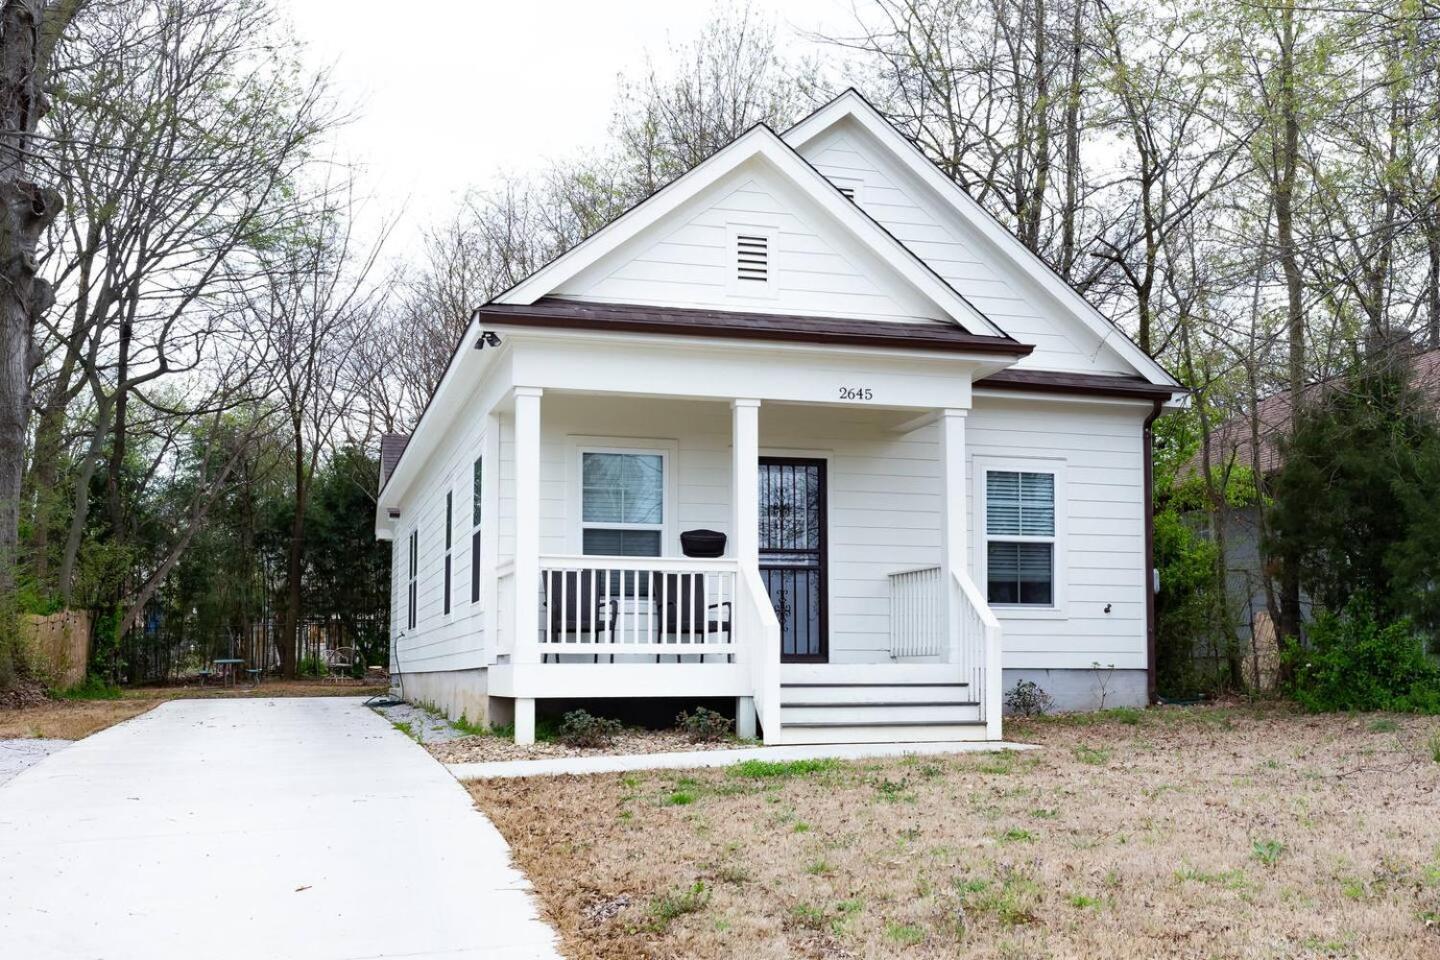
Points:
[849,193]
[752,257]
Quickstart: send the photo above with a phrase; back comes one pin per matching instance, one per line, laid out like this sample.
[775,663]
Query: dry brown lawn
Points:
[69,719]
[1208,833]
[76,719]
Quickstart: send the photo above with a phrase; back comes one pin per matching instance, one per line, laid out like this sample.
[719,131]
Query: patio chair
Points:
[681,604]
[571,598]
[341,662]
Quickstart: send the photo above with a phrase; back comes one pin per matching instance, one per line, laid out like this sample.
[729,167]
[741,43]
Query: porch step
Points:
[876,714]
[904,732]
[876,694]
[902,710]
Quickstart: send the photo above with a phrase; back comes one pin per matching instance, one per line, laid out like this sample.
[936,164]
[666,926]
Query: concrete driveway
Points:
[285,828]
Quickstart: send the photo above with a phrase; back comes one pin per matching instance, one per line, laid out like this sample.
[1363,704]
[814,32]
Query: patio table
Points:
[227,667]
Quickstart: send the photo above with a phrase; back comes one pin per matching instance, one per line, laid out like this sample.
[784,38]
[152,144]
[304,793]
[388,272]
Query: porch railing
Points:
[976,649]
[917,613]
[637,606]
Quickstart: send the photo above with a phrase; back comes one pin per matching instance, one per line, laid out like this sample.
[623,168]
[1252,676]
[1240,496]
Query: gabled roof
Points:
[1233,440]
[852,104]
[759,141]
[729,324]
[392,447]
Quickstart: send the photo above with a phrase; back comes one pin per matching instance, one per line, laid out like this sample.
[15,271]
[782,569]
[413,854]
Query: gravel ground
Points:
[450,745]
[486,749]
[425,726]
[17,755]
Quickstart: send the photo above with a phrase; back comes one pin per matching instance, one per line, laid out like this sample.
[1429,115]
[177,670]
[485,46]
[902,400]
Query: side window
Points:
[478,482]
[1020,538]
[411,579]
[449,527]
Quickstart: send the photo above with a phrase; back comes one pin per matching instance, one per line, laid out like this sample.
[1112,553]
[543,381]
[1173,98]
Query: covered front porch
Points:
[840,609]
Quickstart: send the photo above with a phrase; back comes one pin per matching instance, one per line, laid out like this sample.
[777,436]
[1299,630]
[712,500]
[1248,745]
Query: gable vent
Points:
[849,193]
[752,257]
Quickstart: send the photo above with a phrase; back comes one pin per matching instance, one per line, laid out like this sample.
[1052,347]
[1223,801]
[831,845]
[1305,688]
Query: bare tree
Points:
[320,301]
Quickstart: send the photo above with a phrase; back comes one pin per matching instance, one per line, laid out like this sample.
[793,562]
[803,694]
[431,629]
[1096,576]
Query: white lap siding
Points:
[1103,546]
[439,642]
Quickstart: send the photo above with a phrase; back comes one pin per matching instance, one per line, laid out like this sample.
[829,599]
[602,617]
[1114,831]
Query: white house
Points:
[927,454]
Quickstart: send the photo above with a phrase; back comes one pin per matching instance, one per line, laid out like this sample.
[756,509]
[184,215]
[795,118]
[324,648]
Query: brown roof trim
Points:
[688,322]
[1084,384]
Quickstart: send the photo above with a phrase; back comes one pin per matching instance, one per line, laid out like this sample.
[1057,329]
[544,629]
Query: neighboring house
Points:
[1234,445]
[927,453]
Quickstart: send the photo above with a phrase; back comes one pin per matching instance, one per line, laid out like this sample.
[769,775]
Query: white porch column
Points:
[489,558]
[527,548]
[745,481]
[953,548]
[745,521]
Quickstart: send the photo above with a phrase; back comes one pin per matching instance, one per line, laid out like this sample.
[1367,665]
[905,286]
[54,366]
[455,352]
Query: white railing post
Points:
[759,631]
[952,524]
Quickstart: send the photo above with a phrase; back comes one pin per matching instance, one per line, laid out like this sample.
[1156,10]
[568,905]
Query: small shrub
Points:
[705,726]
[1354,662]
[1267,851]
[312,668]
[1026,699]
[91,688]
[665,910]
[579,728]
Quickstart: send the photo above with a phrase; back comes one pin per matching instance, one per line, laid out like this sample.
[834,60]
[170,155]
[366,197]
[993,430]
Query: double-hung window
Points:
[1020,537]
[414,567]
[475,531]
[622,503]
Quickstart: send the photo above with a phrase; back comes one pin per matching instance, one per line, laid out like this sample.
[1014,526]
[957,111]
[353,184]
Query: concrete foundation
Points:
[1085,689]
[455,693]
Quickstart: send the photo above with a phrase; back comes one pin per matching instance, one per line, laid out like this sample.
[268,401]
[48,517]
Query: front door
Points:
[792,553]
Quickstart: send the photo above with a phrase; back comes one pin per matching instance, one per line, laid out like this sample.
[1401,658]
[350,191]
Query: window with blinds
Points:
[1020,537]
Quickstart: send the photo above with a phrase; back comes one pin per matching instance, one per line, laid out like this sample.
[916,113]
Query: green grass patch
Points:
[680,798]
[905,934]
[772,769]
[1095,756]
[1384,725]
[470,729]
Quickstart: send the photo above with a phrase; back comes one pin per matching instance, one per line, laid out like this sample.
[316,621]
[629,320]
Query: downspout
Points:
[1150,572]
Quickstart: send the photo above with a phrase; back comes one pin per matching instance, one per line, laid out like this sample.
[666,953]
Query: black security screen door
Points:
[792,553]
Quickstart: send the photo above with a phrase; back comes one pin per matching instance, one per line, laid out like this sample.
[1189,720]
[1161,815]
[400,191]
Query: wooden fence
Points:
[59,645]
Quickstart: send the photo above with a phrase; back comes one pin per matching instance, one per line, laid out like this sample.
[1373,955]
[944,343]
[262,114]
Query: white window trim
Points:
[750,289]
[575,525]
[981,466]
[472,527]
[447,552]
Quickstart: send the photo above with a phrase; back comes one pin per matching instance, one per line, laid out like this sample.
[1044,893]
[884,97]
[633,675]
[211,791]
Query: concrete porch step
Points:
[876,714]
[903,732]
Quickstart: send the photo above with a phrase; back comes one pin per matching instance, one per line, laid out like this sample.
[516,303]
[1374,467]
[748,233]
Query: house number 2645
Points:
[856,393]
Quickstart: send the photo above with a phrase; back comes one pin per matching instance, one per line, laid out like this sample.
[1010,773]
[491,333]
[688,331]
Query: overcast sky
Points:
[448,92]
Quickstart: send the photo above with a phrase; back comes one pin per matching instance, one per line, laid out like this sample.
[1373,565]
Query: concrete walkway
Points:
[287,828]
[621,763]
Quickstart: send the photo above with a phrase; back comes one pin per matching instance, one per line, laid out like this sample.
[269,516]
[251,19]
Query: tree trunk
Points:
[290,633]
[28,29]
[1289,599]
